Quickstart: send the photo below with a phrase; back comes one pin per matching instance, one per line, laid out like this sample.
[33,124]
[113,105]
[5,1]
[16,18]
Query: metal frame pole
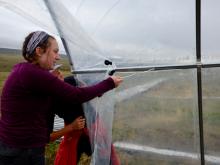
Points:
[59,31]
[199,79]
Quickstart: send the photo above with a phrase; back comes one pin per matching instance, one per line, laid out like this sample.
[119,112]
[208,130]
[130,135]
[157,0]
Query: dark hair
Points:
[32,57]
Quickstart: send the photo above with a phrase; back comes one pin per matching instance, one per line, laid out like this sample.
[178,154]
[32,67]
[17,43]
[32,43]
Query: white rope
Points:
[128,76]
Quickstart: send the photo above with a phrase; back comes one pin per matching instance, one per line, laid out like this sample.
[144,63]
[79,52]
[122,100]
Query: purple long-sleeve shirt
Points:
[26,101]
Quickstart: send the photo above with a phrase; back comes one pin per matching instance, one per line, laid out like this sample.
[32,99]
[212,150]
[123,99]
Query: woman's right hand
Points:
[117,80]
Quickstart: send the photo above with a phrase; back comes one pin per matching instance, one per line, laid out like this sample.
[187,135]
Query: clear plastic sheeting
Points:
[34,11]
[156,118]
[211,113]
[140,33]
[83,50]
[210,30]
[102,133]
[99,116]
[127,33]
[27,16]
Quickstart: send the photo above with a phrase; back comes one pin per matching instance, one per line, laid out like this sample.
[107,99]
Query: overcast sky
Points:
[120,27]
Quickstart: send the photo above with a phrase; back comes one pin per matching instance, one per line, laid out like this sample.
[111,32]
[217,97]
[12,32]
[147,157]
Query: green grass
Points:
[50,152]
[7,61]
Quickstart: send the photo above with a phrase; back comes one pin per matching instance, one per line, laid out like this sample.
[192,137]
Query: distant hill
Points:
[10,51]
[9,57]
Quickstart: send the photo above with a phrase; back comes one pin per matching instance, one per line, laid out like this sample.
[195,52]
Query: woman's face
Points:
[48,59]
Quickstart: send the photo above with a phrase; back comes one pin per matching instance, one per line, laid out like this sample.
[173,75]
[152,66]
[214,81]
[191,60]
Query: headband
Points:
[37,38]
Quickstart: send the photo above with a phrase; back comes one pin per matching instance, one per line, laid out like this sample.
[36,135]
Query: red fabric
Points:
[114,157]
[67,151]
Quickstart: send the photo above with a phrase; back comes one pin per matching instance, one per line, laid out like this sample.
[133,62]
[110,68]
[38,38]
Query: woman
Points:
[27,98]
